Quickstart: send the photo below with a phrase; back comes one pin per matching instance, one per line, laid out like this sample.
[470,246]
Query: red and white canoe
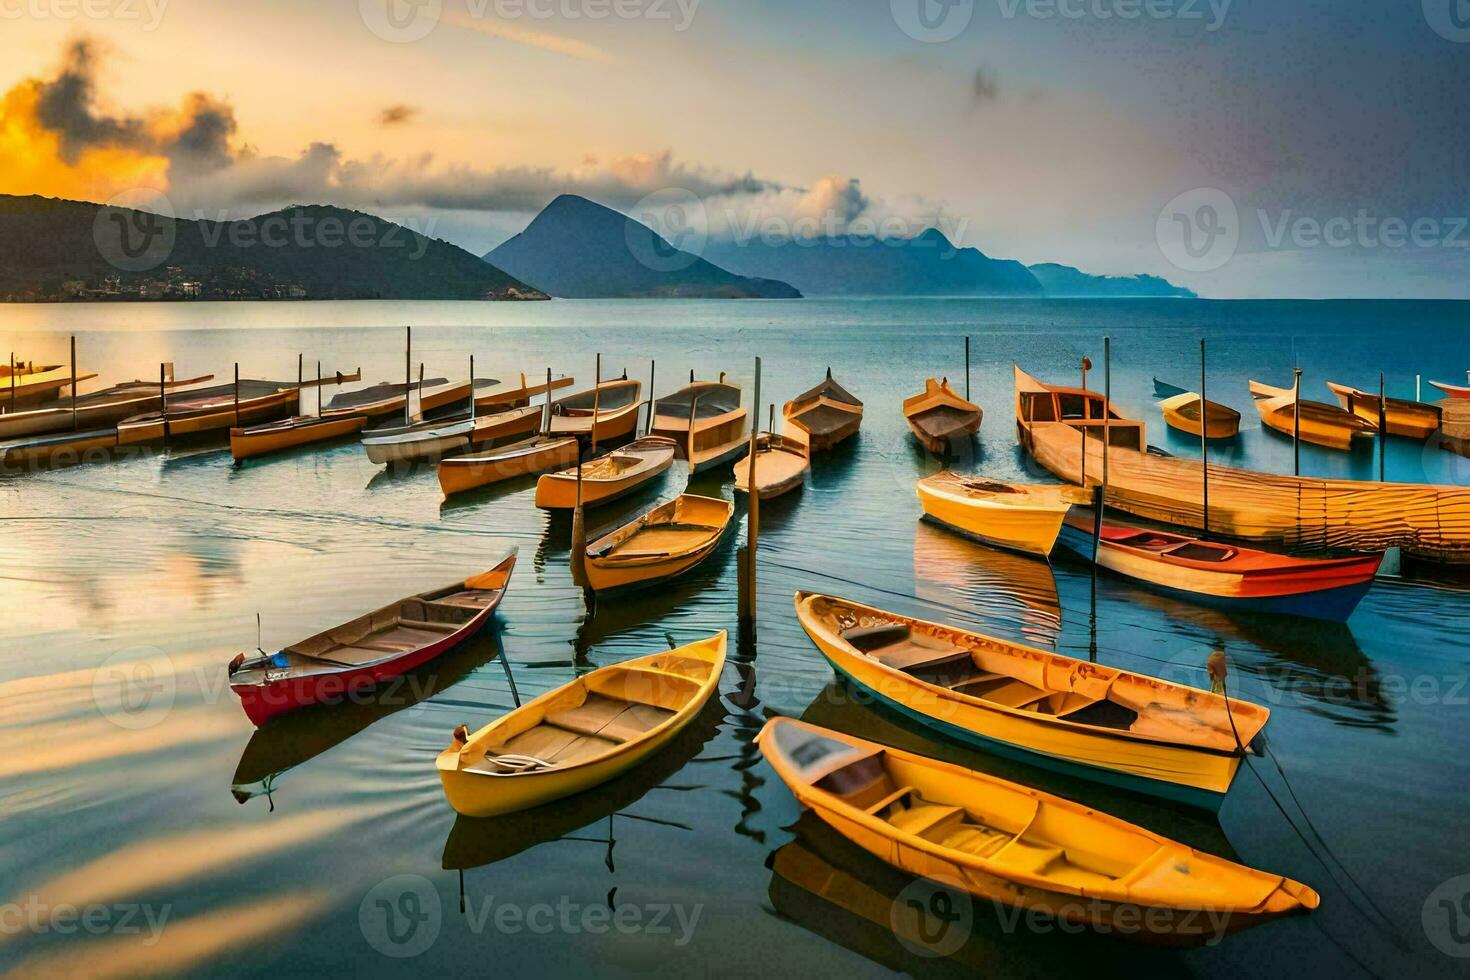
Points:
[350,659]
[1454,391]
[1225,575]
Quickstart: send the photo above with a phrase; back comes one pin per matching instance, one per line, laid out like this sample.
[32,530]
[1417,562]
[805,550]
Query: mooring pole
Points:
[1102,488]
[163,403]
[652,372]
[472,394]
[1204,441]
[407,372]
[546,409]
[1418,388]
[967,369]
[1086,363]
[1382,432]
[752,525]
[74,382]
[1296,424]
[579,516]
[12,381]
[318,390]
[237,394]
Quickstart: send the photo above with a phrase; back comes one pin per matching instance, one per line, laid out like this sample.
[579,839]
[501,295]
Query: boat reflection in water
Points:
[295,739]
[477,842]
[1009,590]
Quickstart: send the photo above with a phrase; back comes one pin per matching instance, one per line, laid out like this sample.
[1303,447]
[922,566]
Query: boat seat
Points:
[1027,857]
[985,677]
[557,746]
[611,719]
[357,653]
[867,638]
[419,624]
[976,839]
[931,821]
[470,600]
[1007,691]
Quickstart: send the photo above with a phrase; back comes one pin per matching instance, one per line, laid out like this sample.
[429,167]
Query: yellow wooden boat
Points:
[527,458]
[609,477]
[1018,846]
[1181,410]
[94,410]
[1081,718]
[33,383]
[581,734]
[1321,424]
[615,403]
[706,422]
[1407,418]
[212,409]
[1020,516]
[823,416]
[299,430]
[431,441]
[668,540]
[58,449]
[492,396]
[382,399]
[781,465]
[939,417]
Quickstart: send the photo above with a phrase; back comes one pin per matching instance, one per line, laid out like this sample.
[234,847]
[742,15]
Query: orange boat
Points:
[212,409]
[1321,424]
[707,422]
[823,416]
[1410,419]
[615,403]
[939,417]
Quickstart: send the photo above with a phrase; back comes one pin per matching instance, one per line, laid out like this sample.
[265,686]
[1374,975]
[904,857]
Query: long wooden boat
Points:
[706,421]
[823,416]
[781,465]
[609,477]
[94,410]
[939,417]
[667,541]
[375,401]
[31,383]
[291,433]
[429,442]
[1084,412]
[617,404]
[1453,391]
[1023,517]
[1431,523]
[1411,419]
[1321,424]
[57,449]
[1181,409]
[212,409]
[1018,846]
[581,734]
[350,659]
[516,394]
[526,458]
[1228,576]
[1077,717]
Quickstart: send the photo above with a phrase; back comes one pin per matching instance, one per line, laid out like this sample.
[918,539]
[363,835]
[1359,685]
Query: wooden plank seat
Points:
[592,729]
[466,600]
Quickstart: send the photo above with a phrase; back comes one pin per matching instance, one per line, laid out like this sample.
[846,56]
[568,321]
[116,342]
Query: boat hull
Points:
[558,491]
[250,444]
[1027,530]
[59,450]
[462,474]
[1181,413]
[269,408]
[606,570]
[1410,420]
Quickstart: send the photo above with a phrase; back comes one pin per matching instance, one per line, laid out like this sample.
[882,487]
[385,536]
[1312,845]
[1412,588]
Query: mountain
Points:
[928,265]
[57,249]
[1063,280]
[579,249]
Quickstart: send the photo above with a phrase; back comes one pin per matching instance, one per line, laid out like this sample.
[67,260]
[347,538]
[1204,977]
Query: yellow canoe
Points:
[1407,418]
[32,383]
[527,458]
[1019,516]
[938,416]
[1182,412]
[615,475]
[1084,719]
[823,416]
[615,404]
[212,409]
[781,465]
[1321,424]
[670,539]
[1017,846]
[581,734]
[274,437]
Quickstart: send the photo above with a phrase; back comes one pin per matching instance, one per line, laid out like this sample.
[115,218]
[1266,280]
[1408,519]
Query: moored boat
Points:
[58,449]
[376,401]
[1453,391]
[352,658]
[94,410]
[1020,516]
[616,405]
[432,441]
[1404,417]
[1081,718]
[291,433]
[1018,846]
[667,541]
[526,458]
[781,465]
[211,410]
[1321,424]
[1228,576]
[706,421]
[823,416]
[609,477]
[30,383]
[581,734]
[939,417]
[1181,409]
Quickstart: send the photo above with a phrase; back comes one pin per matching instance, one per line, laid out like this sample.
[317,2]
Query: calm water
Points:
[265,853]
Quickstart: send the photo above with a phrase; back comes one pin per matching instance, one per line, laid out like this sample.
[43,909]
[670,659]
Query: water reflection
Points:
[1014,590]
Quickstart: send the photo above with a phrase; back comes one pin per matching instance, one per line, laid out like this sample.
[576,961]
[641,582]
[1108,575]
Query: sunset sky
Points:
[1041,138]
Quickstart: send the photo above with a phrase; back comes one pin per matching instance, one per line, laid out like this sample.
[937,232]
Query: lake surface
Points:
[268,853]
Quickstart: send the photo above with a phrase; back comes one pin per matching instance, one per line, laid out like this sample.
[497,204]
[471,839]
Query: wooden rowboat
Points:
[299,430]
[1454,391]
[1013,845]
[1181,410]
[95,410]
[526,458]
[938,416]
[376,401]
[616,403]
[1019,516]
[609,477]
[58,449]
[350,659]
[781,465]
[31,384]
[212,409]
[429,442]
[667,541]
[1079,718]
[581,734]
[1227,576]
[823,416]
[1411,419]
[715,434]
[1321,424]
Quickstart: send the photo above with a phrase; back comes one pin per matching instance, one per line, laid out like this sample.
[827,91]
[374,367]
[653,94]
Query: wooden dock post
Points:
[74,425]
[1382,432]
[472,395]
[12,381]
[1086,366]
[163,402]
[967,369]
[1102,487]
[237,394]
[407,372]
[579,515]
[747,565]
[652,373]
[1204,442]
[318,390]
[1296,423]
